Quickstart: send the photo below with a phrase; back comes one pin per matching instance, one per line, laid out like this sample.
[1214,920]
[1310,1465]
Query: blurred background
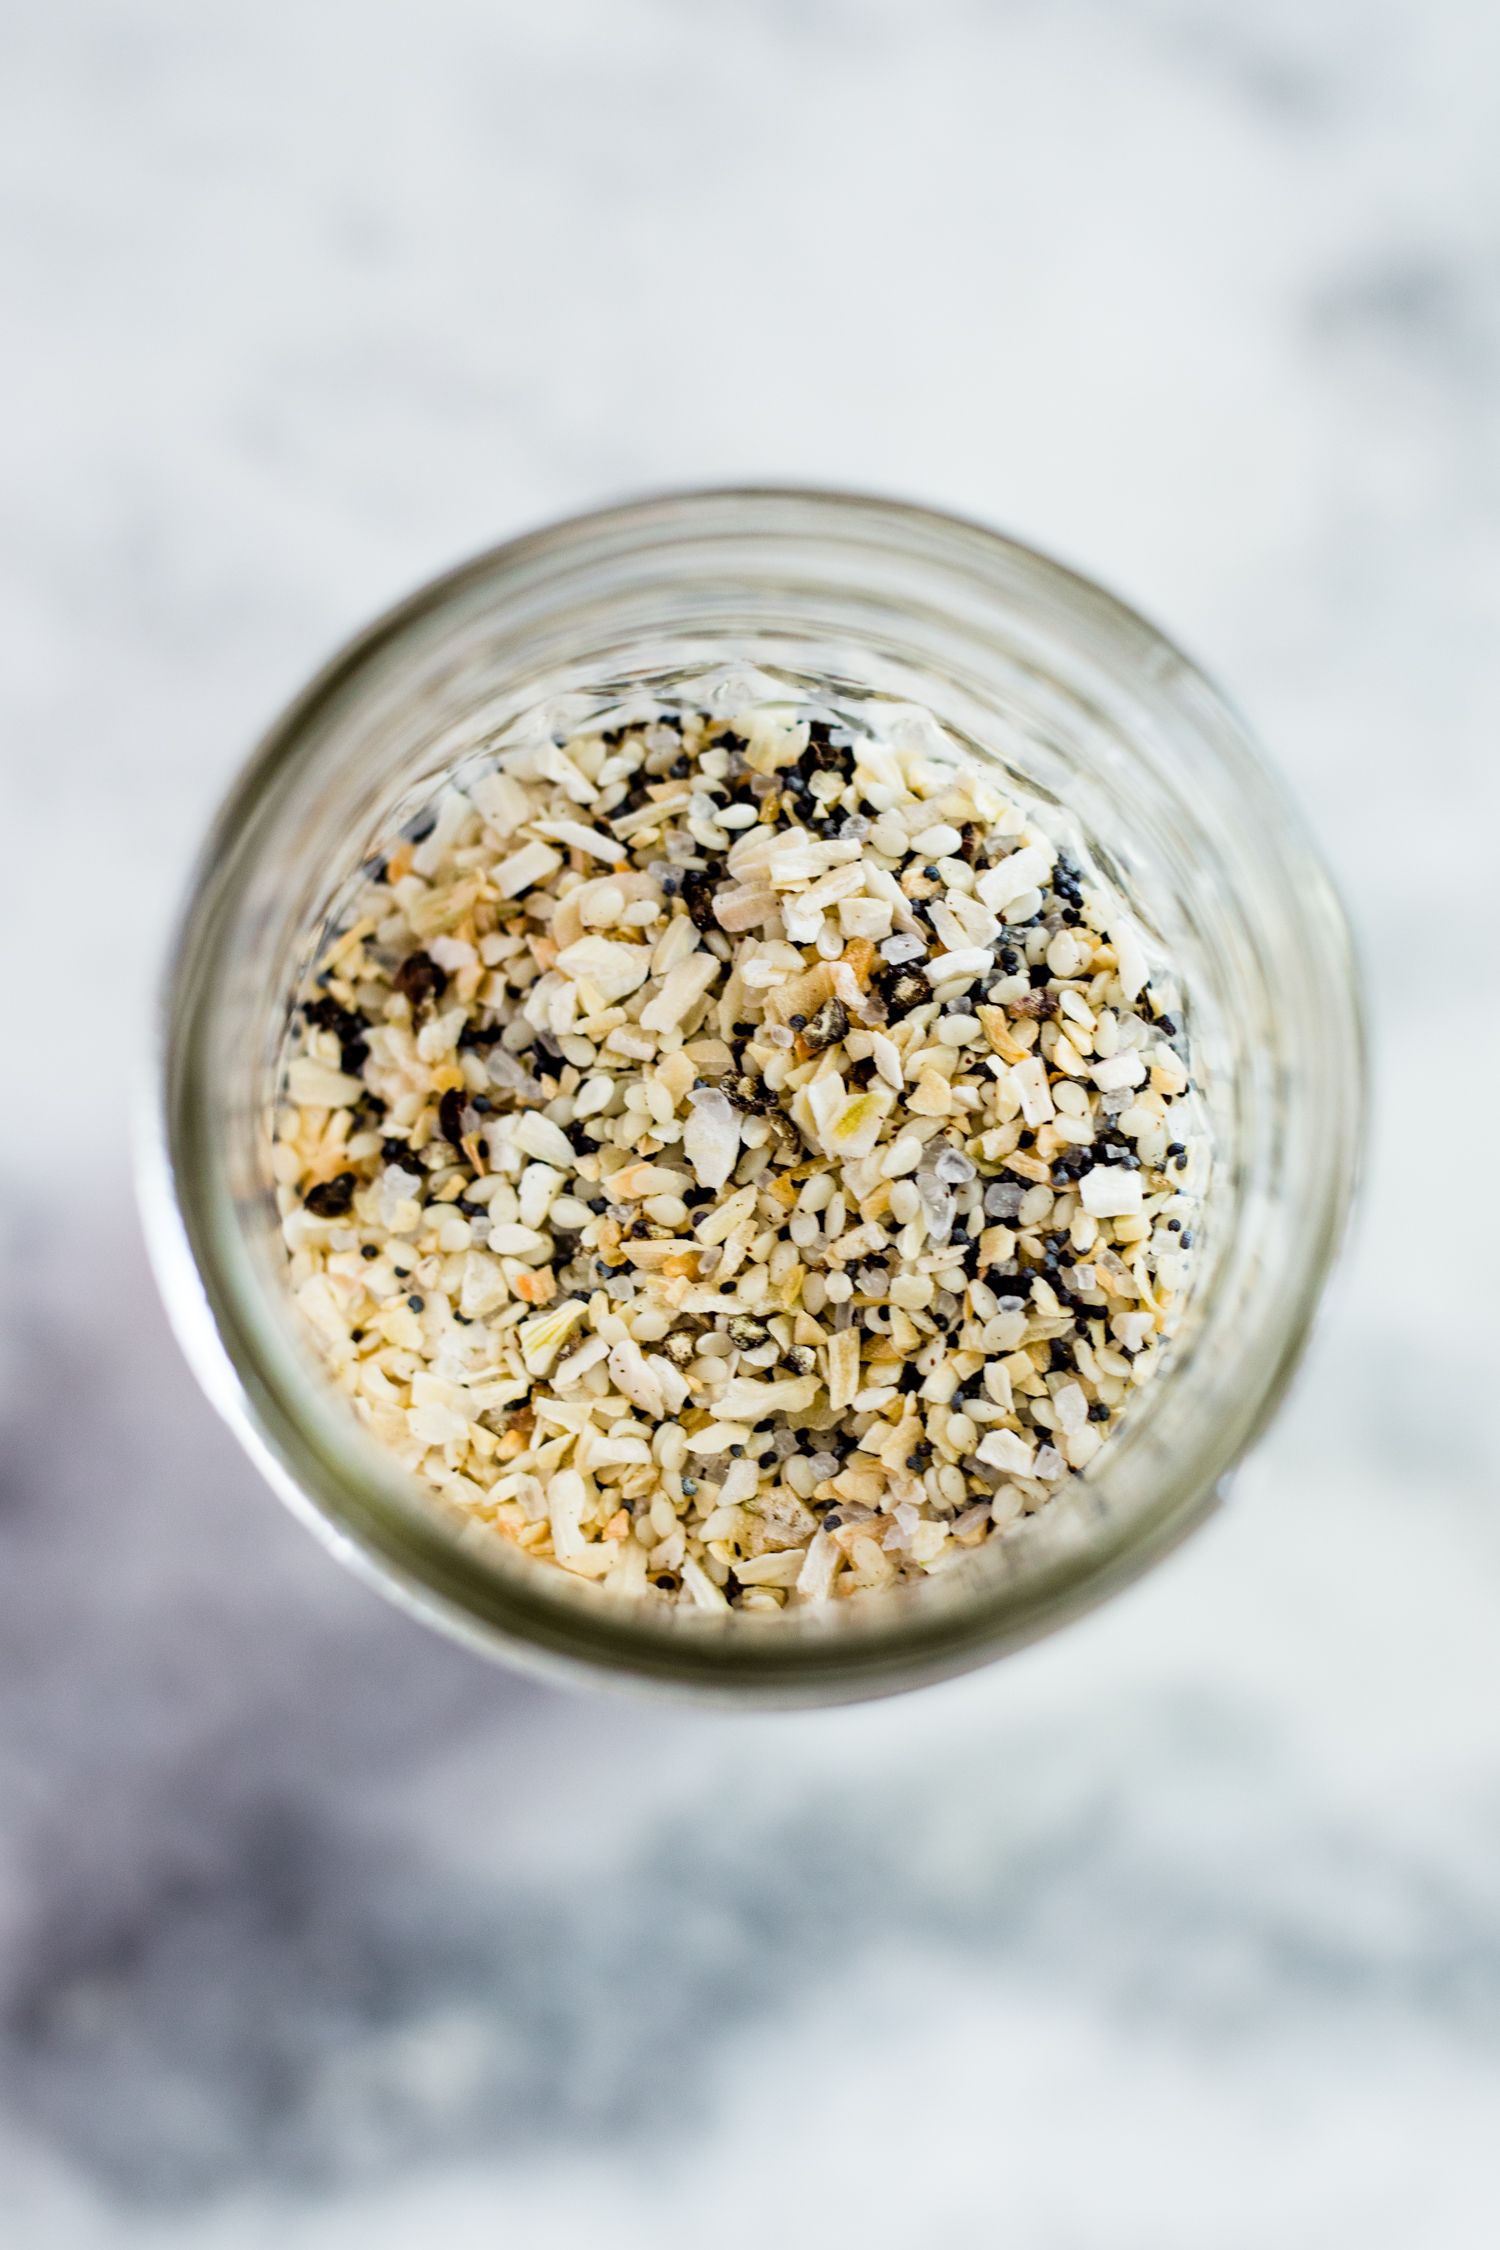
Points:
[1181,1932]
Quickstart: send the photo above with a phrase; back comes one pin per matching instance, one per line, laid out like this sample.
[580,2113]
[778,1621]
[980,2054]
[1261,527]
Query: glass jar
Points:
[1090,706]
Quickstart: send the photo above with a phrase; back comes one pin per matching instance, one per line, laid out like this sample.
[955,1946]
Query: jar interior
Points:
[1089,715]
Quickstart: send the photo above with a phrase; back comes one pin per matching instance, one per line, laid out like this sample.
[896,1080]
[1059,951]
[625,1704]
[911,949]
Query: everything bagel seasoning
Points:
[740,1159]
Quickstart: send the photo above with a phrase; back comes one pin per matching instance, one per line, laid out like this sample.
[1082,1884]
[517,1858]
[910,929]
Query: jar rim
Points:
[364,1508]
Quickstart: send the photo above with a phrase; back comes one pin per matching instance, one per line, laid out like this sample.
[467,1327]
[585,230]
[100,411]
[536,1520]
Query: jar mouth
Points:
[1091,707]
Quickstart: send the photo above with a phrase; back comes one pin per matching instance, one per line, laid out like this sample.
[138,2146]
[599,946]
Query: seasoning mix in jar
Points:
[741,1160]
[759,1090]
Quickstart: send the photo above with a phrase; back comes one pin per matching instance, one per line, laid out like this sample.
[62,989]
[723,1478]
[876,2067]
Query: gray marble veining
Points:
[1182,1930]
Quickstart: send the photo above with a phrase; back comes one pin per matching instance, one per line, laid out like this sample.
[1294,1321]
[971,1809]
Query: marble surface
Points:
[1181,1930]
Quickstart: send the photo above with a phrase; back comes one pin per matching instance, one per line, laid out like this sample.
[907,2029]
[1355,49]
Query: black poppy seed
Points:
[417,1304]
[690,1486]
[369,1250]
[736,1453]
[1098,1411]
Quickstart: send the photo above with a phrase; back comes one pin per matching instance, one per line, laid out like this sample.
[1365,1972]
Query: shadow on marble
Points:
[230,1966]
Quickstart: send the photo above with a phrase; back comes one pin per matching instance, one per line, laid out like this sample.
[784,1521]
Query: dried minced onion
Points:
[742,1162]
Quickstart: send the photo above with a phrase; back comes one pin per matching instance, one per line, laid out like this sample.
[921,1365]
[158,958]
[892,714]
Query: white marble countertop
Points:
[1181,1931]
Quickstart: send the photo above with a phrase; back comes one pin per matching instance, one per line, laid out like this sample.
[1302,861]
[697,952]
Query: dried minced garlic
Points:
[742,1161]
